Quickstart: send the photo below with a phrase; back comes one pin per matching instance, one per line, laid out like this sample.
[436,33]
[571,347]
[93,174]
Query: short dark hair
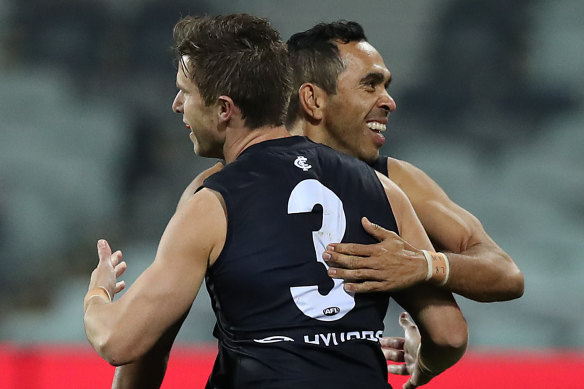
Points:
[240,56]
[315,58]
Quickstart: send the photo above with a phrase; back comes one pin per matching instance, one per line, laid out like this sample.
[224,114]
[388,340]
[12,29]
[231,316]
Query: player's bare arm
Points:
[125,330]
[148,372]
[478,268]
[443,329]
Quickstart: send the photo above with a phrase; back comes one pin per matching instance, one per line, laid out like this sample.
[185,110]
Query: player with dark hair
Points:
[342,101]
[256,232]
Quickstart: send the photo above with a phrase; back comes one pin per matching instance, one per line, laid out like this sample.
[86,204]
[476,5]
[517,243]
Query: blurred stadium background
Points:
[490,97]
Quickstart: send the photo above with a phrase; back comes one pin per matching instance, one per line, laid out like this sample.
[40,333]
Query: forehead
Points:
[182,63]
[182,73]
[360,58]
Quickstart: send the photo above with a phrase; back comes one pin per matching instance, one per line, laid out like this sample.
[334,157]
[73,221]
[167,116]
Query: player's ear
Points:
[226,109]
[312,100]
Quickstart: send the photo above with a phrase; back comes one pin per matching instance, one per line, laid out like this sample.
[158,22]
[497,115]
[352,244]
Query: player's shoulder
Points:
[399,165]
[413,181]
[399,170]
[203,208]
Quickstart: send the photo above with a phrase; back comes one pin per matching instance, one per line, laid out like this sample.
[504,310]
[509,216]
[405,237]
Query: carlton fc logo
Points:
[300,163]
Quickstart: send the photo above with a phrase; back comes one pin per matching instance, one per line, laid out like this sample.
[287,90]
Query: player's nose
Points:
[387,102]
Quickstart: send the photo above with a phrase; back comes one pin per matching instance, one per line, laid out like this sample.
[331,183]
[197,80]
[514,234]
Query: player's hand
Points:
[403,349]
[390,265]
[109,268]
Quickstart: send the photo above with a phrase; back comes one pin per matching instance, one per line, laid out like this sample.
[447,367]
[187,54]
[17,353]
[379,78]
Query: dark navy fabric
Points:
[266,340]
[381,165]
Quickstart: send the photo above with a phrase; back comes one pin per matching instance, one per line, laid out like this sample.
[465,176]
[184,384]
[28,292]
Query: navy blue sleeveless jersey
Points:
[282,322]
[381,166]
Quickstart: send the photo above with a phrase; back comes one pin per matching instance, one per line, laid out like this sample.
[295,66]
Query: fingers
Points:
[365,287]
[405,321]
[392,342]
[409,385]
[120,269]
[394,355]
[120,285]
[393,348]
[109,269]
[346,249]
[103,250]
[410,328]
[116,258]
[397,369]
[361,274]
[375,230]
[412,336]
[350,256]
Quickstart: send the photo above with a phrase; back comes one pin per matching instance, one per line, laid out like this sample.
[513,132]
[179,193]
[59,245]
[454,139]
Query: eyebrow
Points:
[375,78]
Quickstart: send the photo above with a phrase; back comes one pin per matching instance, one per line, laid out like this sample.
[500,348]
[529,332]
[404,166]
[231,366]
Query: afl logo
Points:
[331,311]
[300,163]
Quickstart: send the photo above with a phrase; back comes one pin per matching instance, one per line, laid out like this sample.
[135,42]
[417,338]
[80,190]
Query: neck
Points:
[315,131]
[240,139]
[298,128]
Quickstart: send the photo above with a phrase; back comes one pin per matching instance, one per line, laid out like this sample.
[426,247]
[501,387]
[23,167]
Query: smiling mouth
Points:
[376,126]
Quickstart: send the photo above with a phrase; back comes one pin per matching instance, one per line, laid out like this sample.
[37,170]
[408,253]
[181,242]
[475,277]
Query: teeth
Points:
[376,126]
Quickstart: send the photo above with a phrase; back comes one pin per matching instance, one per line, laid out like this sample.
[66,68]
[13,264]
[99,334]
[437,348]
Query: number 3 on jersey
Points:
[337,303]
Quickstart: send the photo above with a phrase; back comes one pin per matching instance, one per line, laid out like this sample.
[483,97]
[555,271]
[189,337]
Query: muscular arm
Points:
[442,327]
[479,269]
[126,330]
[148,372]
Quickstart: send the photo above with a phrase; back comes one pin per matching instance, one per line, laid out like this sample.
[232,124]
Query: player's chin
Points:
[211,151]
[371,155]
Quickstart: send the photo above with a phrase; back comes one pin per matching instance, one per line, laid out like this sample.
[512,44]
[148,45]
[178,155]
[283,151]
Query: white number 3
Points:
[337,303]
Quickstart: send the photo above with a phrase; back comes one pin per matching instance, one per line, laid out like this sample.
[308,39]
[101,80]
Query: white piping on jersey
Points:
[274,339]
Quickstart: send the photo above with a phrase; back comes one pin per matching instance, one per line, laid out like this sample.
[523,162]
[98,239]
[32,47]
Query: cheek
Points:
[354,109]
[191,109]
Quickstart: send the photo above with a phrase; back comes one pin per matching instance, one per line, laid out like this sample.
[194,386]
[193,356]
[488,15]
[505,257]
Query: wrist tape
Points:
[438,267]
[98,291]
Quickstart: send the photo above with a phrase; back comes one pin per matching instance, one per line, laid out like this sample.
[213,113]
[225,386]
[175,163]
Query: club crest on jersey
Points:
[300,163]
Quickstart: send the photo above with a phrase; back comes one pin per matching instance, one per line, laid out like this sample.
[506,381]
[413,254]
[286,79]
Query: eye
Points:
[370,86]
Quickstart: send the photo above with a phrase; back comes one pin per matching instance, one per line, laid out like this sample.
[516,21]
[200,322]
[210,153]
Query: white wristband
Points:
[438,267]
[106,292]
[429,261]
[447,269]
